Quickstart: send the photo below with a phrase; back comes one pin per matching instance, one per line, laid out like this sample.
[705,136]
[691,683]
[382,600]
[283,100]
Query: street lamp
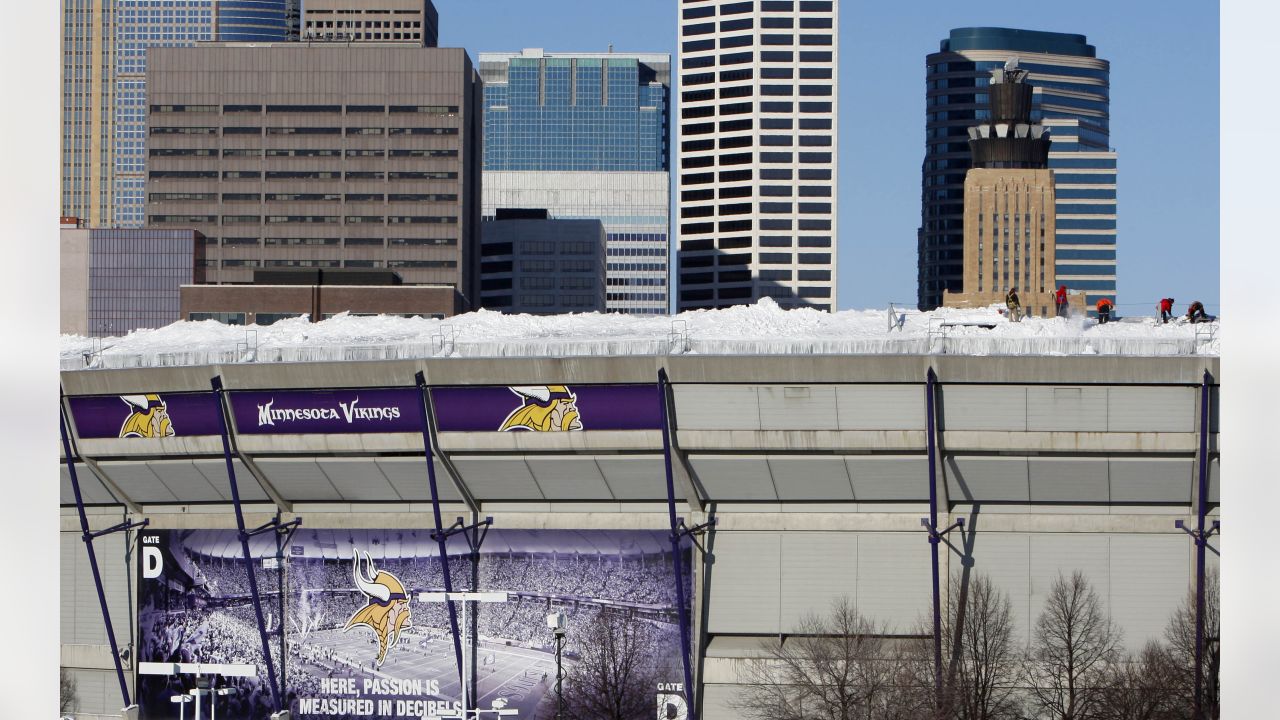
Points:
[213,701]
[555,621]
[182,701]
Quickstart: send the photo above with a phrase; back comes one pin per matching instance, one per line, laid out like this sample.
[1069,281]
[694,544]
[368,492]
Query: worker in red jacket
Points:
[1060,300]
[1196,314]
[1104,310]
[1166,309]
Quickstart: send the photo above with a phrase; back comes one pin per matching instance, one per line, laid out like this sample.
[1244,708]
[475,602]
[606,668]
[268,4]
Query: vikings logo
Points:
[388,605]
[149,417]
[545,408]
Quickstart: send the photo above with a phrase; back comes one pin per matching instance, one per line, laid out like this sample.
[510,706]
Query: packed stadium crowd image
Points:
[683,541]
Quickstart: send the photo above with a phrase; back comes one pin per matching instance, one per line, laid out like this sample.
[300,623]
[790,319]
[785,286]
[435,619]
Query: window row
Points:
[305,219]
[302,197]
[350,109]
[299,174]
[258,130]
[330,242]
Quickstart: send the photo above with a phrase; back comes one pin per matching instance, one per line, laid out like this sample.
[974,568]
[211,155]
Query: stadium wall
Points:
[814,467]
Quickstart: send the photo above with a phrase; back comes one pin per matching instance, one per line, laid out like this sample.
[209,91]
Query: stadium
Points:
[805,477]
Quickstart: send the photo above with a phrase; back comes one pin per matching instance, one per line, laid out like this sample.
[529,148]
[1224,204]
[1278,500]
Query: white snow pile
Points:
[760,329]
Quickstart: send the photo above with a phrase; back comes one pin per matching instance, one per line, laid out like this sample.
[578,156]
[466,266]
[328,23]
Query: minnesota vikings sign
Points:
[547,408]
[544,408]
[149,417]
[145,415]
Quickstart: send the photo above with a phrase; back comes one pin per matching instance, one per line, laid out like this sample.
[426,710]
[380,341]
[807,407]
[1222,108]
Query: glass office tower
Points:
[584,135]
[1072,100]
[104,113]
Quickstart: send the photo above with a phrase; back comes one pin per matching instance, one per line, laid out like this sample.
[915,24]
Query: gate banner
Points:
[301,412]
[547,408]
[361,641]
[147,415]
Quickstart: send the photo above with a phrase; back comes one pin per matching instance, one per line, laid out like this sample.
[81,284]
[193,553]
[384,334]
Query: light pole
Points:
[213,701]
[555,621]
[182,701]
[466,598]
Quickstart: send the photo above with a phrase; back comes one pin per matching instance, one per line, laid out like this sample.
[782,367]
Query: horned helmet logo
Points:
[387,604]
[544,408]
[148,417]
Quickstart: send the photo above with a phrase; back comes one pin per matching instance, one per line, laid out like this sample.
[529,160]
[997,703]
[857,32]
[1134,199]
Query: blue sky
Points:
[1164,120]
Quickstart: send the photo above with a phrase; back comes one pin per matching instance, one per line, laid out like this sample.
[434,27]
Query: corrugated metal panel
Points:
[186,482]
[888,477]
[1053,554]
[1150,577]
[745,583]
[881,407]
[716,407]
[1005,559]
[358,480]
[1165,480]
[984,407]
[570,478]
[718,702]
[1081,409]
[97,692]
[215,471]
[810,478]
[409,478]
[498,479]
[79,611]
[1151,409]
[1215,481]
[296,480]
[798,407]
[1074,480]
[729,477]
[894,578]
[91,490]
[987,479]
[634,478]
[817,568]
[136,480]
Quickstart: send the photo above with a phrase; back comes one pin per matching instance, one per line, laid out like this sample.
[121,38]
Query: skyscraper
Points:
[584,135]
[1071,99]
[104,46]
[757,173]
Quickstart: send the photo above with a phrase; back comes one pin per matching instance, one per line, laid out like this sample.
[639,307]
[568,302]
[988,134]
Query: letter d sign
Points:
[152,562]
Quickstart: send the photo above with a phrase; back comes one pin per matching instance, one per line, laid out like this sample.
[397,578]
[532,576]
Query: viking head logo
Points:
[545,408]
[149,417]
[387,609]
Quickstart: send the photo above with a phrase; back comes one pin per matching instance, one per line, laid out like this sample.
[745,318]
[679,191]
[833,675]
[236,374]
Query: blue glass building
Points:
[143,24]
[1072,99]
[585,136]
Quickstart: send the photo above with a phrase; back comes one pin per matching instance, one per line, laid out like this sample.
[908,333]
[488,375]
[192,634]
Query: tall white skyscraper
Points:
[757,152]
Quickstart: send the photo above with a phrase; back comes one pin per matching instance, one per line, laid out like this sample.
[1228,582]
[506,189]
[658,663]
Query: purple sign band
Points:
[547,408]
[146,415]
[306,412]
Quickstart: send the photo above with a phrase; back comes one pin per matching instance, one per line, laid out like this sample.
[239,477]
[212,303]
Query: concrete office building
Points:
[1072,100]
[584,135]
[115,281]
[758,148]
[104,50]
[320,156]
[372,20]
[532,263]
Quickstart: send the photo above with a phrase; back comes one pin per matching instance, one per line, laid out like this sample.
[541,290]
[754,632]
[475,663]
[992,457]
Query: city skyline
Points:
[1155,58]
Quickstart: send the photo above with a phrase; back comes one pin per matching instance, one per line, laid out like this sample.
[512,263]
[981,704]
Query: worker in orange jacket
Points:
[1104,310]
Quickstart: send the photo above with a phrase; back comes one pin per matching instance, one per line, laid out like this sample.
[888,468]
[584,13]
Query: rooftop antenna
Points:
[610,48]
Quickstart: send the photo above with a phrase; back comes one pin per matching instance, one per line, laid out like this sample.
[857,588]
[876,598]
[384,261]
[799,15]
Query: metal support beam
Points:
[438,534]
[223,422]
[112,487]
[280,502]
[677,532]
[1201,537]
[458,483]
[689,484]
[88,537]
[931,523]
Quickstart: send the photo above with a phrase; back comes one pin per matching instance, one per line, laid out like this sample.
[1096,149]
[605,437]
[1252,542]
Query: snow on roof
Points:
[760,329]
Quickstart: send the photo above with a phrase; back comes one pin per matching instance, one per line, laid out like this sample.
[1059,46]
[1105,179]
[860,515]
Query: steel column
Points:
[931,380]
[1202,510]
[685,630]
[439,534]
[216,383]
[87,536]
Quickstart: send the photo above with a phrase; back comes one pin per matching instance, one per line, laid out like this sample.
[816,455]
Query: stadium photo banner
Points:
[145,415]
[304,412]
[362,642]
[547,408]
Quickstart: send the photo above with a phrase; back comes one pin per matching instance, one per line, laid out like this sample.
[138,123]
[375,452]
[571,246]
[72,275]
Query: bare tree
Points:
[1140,687]
[618,673]
[1181,636]
[66,692]
[837,666]
[981,662]
[1074,642]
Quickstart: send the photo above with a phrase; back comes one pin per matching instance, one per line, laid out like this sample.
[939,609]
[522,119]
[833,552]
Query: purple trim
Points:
[102,416]
[600,407]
